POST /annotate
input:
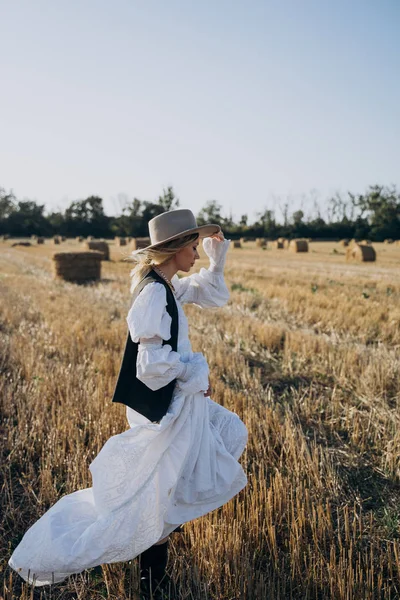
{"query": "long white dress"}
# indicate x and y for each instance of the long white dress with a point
(154, 476)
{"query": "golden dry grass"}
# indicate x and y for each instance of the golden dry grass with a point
(307, 352)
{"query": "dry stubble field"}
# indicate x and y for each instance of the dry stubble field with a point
(307, 352)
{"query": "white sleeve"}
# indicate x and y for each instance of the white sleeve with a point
(157, 364)
(149, 324)
(207, 288)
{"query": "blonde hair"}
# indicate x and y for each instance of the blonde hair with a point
(146, 258)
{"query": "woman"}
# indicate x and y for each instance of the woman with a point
(179, 458)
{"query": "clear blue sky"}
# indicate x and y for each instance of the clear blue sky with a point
(237, 101)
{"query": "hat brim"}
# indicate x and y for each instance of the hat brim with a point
(203, 231)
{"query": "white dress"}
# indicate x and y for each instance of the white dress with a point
(154, 476)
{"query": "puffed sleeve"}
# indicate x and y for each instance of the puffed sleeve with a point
(207, 288)
(149, 324)
(157, 364)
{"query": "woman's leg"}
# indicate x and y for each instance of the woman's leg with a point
(153, 563)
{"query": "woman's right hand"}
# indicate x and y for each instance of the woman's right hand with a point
(196, 374)
(218, 236)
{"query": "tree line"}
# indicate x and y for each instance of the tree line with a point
(374, 215)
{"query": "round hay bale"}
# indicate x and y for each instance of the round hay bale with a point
(40, 240)
(298, 246)
(121, 241)
(33, 237)
(236, 244)
(261, 242)
(63, 238)
(90, 238)
(344, 243)
(56, 239)
(5, 237)
(102, 247)
(79, 238)
(389, 241)
(77, 267)
(361, 253)
(278, 244)
(365, 242)
(140, 243)
(243, 240)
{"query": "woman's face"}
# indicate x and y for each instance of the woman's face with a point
(186, 257)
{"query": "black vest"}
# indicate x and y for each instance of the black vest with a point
(129, 389)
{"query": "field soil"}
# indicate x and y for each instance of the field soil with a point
(306, 352)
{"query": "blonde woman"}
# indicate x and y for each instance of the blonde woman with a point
(179, 458)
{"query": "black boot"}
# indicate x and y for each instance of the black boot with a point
(153, 562)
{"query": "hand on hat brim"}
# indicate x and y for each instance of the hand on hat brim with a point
(217, 236)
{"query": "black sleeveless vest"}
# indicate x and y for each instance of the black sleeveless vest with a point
(129, 390)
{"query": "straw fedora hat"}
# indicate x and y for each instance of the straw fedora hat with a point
(174, 224)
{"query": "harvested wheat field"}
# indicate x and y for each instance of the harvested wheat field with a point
(307, 352)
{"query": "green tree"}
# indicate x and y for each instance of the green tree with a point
(380, 206)
(151, 210)
(28, 219)
(168, 200)
(131, 221)
(298, 217)
(8, 204)
(267, 225)
(86, 217)
(210, 213)
(87, 211)
(56, 221)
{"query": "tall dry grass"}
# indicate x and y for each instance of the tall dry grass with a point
(307, 352)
